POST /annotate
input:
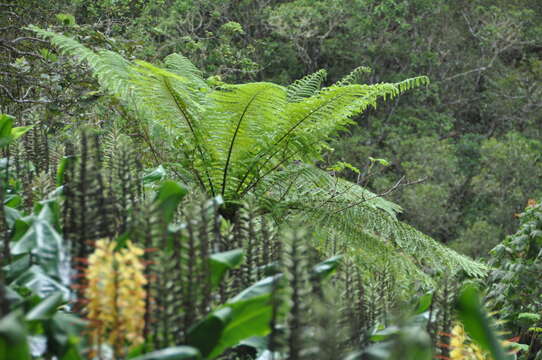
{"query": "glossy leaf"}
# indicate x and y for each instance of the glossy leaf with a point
(46, 308)
(44, 243)
(168, 197)
(6, 124)
(7, 132)
(326, 267)
(246, 315)
(174, 353)
(206, 334)
(40, 283)
(221, 262)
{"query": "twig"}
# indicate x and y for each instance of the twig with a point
(23, 101)
(393, 188)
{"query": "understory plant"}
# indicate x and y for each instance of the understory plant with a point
(161, 273)
(516, 282)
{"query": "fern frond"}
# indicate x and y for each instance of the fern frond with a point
(305, 125)
(112, 70)
(364, 221)
(239, 125)
(412, 83)
(306, 87)
(180, 65)
(355, 76)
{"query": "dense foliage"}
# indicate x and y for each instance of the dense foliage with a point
(220, 179)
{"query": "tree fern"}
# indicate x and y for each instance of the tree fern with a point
(246, 140)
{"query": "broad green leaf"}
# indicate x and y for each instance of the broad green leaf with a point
(173, 353)
(477, 324)
(262, 287)
(246, 315)
(168, 197)
(326, 267)
(7, 132)
(6, 124)
(13, 344)
(36, 280)
(19, 131)
(154, 176)
(248, 318)
(424, 303)
(46, 308)
(44, 243)
(221, 262)
(206, 334)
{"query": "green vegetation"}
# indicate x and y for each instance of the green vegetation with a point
(340, 179)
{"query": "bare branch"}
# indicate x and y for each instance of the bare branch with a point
(22, 101)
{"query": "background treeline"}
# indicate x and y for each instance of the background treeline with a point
(474, 136)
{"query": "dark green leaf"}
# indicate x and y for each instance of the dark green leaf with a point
(168, 197)
(206, 334)
(13, 344)
(221, 262)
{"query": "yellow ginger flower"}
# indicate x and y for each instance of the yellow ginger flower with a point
(461, 348)
(116, 295)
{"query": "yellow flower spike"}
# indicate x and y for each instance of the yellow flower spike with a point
(462, 348)
(116, 295)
